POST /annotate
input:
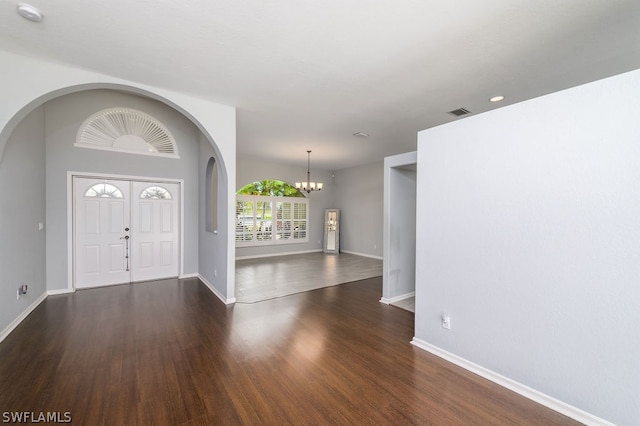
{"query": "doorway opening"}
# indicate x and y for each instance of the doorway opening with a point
(125, 230)
(399, 279)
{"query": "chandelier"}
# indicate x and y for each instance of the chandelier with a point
(309, 186)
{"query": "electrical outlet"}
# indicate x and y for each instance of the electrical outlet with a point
(21, 290)
(446, 321)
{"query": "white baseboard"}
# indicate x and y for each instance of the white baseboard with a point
(397, 298)
(362, 254)
(215, 291)
(258, 256)
(16, 322)
(60, 291)
(194, 275)
(532, 394)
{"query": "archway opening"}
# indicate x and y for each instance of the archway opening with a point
(224, 269)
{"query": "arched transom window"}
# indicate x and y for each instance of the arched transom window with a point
(103, 190)
(155, 193)
(126, 130)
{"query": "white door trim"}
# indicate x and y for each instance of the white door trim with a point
(71, 206)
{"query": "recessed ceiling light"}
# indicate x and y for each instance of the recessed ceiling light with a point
(496, 99)
(361, 134)
(29, 12)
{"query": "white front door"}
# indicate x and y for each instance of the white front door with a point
(154, 224)
(125, 231)
(101, 216)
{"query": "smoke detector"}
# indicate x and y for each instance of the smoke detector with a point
(29, 12)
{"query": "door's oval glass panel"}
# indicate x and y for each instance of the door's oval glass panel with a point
(155, 193)
(103, 190)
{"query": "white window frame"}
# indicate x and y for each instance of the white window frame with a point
(296, 227)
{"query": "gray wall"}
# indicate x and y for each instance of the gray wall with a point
(22, 207)
(528, 237)
(250, 169)
(63, 117)
(359, 195)
(212, 251)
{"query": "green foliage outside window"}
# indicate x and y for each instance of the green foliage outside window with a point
(270, 188)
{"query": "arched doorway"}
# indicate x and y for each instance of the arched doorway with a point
(58, 278)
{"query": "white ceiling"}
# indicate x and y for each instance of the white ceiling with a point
(308, 74)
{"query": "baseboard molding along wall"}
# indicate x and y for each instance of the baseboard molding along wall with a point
(215, 291)
(194, 275)
(60, 291)
(16, 322)
(361, 254)
(532, 394)
(397, 298)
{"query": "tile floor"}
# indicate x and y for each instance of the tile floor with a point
(406, 304)
(270, 277)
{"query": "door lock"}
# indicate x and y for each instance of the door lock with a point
(126, 248)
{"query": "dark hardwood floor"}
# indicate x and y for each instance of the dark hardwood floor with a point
(168, 352)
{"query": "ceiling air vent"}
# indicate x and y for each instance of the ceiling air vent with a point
(459, 112)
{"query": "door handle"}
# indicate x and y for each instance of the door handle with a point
(126, 248)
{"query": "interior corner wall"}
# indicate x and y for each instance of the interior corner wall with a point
(250, 169)
(63, 117)
(400, 279)
(22, 208)
(212, 247)
(359, 196)
(528, 238)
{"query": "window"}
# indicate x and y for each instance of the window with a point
(271, 188)
(300, 217)
(155, 193)
(211, 196)
(245, 221)
(284, 225)
(126, 130)
(264, 220)
(271, 212)
(103, 190)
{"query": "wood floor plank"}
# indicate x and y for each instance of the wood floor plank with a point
(169, 352)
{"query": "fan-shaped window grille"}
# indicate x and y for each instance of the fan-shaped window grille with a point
(155, 193)
(126, 130)
(103, 190)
